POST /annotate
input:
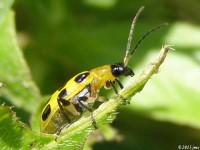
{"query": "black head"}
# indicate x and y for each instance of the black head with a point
(118, 69)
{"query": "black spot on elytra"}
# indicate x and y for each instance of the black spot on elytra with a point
(63, 93)
(81, 77)
(64, 101)
(46, 112)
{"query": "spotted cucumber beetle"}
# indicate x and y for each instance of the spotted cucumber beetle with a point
(69, 102)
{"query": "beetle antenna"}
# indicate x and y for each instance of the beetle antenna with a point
(131, 35)
(146, 34)
(127, 57)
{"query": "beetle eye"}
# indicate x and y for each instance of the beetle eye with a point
(117, 69)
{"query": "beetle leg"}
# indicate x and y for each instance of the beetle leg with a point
(63, 102)
(60, 130)
(119, 83)
(80, 101)
(116, 92)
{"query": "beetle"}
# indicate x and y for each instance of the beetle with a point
(78, 95)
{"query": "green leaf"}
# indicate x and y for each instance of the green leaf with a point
(178, 103)
(15, 134)
(19, 88)
(4, 8)
(174, 95)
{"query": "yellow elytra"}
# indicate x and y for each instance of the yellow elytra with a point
(69, 102)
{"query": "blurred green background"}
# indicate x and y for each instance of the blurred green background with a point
(64, 37)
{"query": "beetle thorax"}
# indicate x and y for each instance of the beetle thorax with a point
(102, 75)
